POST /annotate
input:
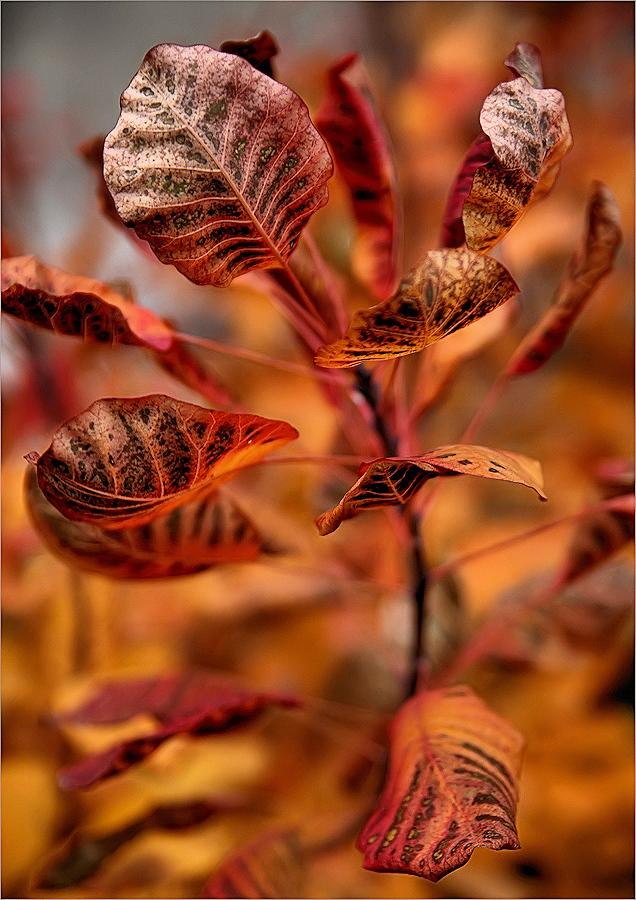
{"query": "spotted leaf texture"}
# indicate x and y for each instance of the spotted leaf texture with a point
(183, 703)
(208, 532)
(350, 122)
(391, 481)
(124, 462)
(213, 163)
(271, 865)
(446, 291)
(452, 786)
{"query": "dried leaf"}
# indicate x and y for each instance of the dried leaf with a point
(258, 51)
(213, 163)
(269, 866)
(191, 538)
(452, 786)
(125, 461)
(391, 481)
(191, 703)
(350, 122)
(525, 60)
(588, 265)
(478, 154)
(446, 291)
(600, 536)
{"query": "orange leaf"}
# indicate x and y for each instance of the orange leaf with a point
(446, 291)
(391, 481)
(452, 786)
(126, 461)
(271, 865)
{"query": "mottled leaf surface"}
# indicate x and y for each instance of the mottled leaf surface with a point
(183, 703)
(589, 264)
(478, 154)
(350, 122)
(446, 291)
(258, 51)
(126, 461)
(271, 865)
(213, 163)
(208, 532)
(452, 786)
(392, 481)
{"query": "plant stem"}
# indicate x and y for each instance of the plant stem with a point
(419, 583)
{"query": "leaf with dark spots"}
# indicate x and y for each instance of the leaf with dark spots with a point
(124, 462)
(350, 122)
(271, 865)
(195, 703)
(452, 785)
(446, 291)
(208, 532)
(258, 51)
(525, 60)
(479, 153)
(393, 481)
(591, 262)
(213, 163)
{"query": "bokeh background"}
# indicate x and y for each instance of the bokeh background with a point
(432, 64)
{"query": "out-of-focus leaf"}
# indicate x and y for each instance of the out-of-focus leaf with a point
(391, 481)
(350, 122)
(600, 536)
(208, 532)
(446, 291)
(182, 363)
(588, 265)
(213, 163)
(258, 51)
(478, 154)
(525, 60)
(184, 703)
(125, 461)
(452, 786)
(269, 866)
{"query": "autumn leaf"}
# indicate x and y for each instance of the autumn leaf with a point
(392, 481)
(452, 786)
(270, 865)
(258, 51)
(213, 163)
(525, 60)
(350, 122)
(598, 537)
(478, 154)
(446, 291)
(589, 264)
(194, 703)
(125, 461)
(208, 532)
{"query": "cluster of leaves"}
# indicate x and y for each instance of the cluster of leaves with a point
(218, 167)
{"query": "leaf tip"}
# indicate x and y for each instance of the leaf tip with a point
(32, 458)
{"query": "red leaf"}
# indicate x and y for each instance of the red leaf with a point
(258, 51)
(191, 703)
(598, 537)
(126, 461)
(269, 866)
(479, 153)
(452, 786)
(350, 122)
(391, 481)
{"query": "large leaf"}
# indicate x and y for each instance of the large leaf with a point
(271, 865)
(213, 163)
(446, 291)
(391, 481)
(349, 121)
(126, 461)
(191, 538)
(184, 703)
(452, 786)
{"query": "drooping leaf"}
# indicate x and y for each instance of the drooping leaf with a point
(269, 866)
(125, 461)
(213, 163)
(589, 264)
(452, 786)
(258, 51)
(184, 703)
(478, 154)
(600, 536)
(207, 532)
(447, 290)
(525, 60)
(391, 481)
(350, 122)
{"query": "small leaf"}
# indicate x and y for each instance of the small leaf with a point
(186, 703)
(350, 122)
(478, 154)
(589, 264)
(271, 865)
(452, 786)
(258, 51)
(600, 536)
(213, 163)
(191, 538)
(125, 461)
(525, 60)
(391, 481)
(446, 291)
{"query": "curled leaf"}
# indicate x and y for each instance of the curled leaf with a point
(525, 60)
(350, 122)
(271, 865)
(258, 51)
(446, 291)
(391, 481)
(452, 786)
(213, 163)
(478, 154)
(125, 461)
